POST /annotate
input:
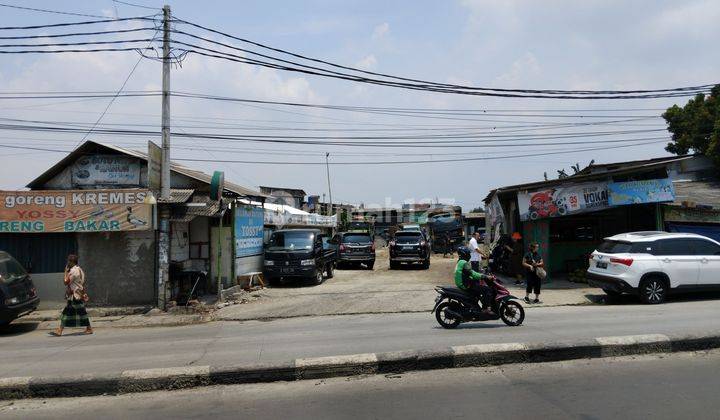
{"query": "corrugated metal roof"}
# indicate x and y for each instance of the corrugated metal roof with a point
(92, 146)
(700, 192)
(177, 196)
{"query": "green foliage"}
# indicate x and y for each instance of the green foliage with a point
(695, 127)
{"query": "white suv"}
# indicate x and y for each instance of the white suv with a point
(652, 264)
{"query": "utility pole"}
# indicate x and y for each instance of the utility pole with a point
(164, 228)
(327, 166)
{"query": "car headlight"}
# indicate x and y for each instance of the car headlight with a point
(269, 262)
(12, 301)
(307, 262)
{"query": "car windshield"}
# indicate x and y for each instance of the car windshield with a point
(407, 238)
(291, 241)
(614, 247)
(359, 239)
(10, 269)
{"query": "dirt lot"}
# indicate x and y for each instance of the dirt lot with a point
(361, 291)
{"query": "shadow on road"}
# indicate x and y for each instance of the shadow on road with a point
(604, 299)
(18, 328)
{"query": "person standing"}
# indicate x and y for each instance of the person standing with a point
(447, 245)
(532, 261)
(74, 315)
(476, 254)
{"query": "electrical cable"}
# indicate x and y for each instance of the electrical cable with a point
(87, 22)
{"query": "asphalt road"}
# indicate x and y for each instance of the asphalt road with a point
(682, 385)
(33, 353)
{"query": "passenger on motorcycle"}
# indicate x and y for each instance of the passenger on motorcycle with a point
(471, 281)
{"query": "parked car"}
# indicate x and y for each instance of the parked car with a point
(18, 295)
(294, 254)
(654, 264)
(355, 248)
(409, 247)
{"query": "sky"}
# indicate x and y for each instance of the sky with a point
(593, 45)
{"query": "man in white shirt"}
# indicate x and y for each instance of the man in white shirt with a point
(475, 253)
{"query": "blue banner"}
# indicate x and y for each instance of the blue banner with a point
(249, 223)
(640, 192)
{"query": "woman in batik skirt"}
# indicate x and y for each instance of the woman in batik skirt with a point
(74, 315)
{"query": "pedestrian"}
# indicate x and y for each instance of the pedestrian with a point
(447, 245)
(533, 262)
(515, 257)
(74, 315)
(476, 254)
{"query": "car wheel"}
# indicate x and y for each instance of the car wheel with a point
(394, 265)
(319, 277)
(330, 270)
(653, 290)
(370, 265)
(612, 293)
(426, 264)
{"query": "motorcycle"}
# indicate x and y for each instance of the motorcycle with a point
(454, 306)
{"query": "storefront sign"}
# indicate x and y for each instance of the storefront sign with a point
(287, 219)
(249, 222)
(639, 192)
(106, 170)
(74, 211)
(562, 200)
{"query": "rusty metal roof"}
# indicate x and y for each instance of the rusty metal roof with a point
(177, 196)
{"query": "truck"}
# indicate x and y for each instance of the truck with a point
(299, 254)
(444, 222)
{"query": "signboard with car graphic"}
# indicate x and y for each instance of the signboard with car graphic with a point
(562, 200)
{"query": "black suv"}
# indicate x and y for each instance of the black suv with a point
(18, 296)
(355, 248)
(409, 247)
(299, 254)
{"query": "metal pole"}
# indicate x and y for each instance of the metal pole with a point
(327, 166)
(165, 175)
(164, 234)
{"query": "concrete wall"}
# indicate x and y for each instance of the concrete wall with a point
(51, 289)
(120, 267)
(179, 242)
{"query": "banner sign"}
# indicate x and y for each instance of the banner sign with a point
(106, 170)
(154, 168)
(287, 219)
(249, 222)
(562, 200)
(74, 211)
(639, 192)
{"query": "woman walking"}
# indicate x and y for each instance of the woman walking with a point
(532, 263)
(74, 315)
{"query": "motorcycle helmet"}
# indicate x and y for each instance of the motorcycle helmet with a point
(464, 253)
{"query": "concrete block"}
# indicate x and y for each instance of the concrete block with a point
(563, 350)
(15, 388)
(263, 372)
(442, 358)
(397, 361)
(326, 367)
(634, 344)
(74, 386)
(164, 378)
(488, 354)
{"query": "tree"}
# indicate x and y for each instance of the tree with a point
(696, 126)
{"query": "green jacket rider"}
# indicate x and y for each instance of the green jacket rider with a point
(465, 276)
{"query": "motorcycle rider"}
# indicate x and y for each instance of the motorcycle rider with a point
(471, 281)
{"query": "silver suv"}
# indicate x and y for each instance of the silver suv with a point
(652, 264)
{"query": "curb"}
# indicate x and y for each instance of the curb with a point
(145, 380)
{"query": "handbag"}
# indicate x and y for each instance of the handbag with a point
(541, 273)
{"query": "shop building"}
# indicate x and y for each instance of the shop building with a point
(569, 217)
(108, 217)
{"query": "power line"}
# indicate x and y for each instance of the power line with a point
(116, 93)
(136, 5)
(57, 12)
(117, 31)
(88, 22)
(424, 82)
